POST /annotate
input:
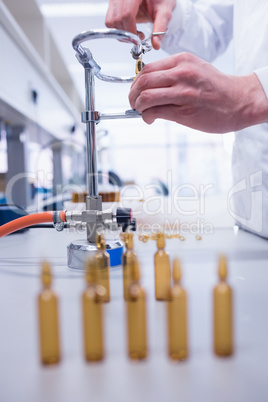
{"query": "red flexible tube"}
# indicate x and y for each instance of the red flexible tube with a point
(25, 221)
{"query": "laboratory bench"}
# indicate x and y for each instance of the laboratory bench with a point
(202, 377)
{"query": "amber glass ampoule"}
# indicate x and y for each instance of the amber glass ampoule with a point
(136, 317)
(139, 65)
(161, 270)
(128, 259)
(92, 299)
(223, 328)
(48, 319)
(103, 265)
(177, 317)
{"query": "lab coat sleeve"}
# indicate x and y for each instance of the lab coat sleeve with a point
(262, 74)
(204, 28)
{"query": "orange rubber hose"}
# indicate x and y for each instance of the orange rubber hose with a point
(25, 221)
(62, 216)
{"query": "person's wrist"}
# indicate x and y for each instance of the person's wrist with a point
(252, 102)
(259, 100)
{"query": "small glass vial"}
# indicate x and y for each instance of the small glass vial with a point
(139, 65)
(103, 265)
(48, 319)
(177, 318)
(161, 270)
(223, 326)
(129, 258)
(92, 299)
(136, 317)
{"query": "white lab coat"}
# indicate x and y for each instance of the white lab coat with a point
(205, 28)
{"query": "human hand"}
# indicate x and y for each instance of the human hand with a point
(188, 90)
(125, 14)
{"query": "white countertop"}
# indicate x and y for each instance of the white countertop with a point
(203, 377)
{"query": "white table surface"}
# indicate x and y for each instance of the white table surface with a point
(203, 377)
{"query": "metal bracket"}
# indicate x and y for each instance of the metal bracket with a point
(94, 116)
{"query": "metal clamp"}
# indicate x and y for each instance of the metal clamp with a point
(89, 116)
(147, 44)
(85, 57)
(57, 222)
(93, 116)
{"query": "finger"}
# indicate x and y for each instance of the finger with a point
(166, 112)
(157, 97)
(129, 12)
(143, 16)
(121, 14)
(110, 18)
(160, 65)
(158, 79)
(161, 21)
(185, 115)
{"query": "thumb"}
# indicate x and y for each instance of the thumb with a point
(162, 18)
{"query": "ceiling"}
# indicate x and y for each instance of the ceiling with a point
(67, 18)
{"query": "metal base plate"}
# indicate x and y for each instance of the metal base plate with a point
(80, 250)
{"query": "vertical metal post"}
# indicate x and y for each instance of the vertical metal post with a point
(93, 201)
(92, 172)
